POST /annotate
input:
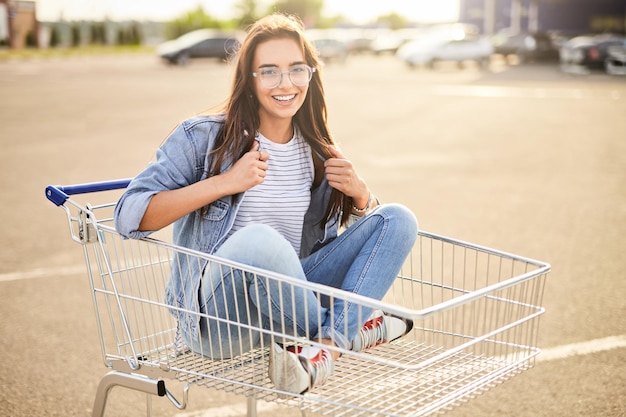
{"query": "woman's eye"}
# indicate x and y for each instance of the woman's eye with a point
(269, 72)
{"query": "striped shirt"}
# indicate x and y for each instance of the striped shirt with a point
(283, 198)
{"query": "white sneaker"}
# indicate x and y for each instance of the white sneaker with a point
(380, 328)
(298, 369)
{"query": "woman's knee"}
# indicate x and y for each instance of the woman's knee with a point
(255, 238)
(400, 219)
(261, 246)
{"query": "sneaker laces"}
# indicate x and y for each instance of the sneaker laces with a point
(317, 361)
(380, 328)
(372, 333)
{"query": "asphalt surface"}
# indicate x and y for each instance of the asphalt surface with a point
(524, 159)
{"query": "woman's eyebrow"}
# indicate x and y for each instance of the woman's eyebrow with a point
(291, 64)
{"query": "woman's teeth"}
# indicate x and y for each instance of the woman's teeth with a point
(284, 98)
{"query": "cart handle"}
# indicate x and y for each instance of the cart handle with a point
(58, 194)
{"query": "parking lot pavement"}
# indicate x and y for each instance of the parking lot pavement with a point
(528, 160)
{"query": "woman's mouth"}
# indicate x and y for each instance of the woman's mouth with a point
(284, 98)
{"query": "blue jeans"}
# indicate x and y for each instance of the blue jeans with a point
(365, 259)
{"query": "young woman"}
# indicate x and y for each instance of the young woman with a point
(262, 183)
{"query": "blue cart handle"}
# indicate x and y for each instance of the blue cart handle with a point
(58, 194)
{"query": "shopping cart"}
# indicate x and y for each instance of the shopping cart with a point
(475, 311)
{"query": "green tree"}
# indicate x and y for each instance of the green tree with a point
(55, 36)
(98, 33)
(134, 34)
(247, 13)
(121, 36)
(196, 19)
(310, 11)
(393, 21)
(332, 22)
(31, 40)
(129, 35)
(75, 34)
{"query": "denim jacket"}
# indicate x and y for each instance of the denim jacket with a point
(184, 159)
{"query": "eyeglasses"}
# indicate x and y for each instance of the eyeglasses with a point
(299, 75)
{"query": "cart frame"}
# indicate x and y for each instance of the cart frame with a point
(476, 312)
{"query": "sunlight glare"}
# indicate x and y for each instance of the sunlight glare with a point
(423, 11)
(357, 11)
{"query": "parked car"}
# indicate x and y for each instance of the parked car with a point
(330, 50)
(615, 63)
(528, 47)
(428, 50)
(587, 52)
(359, 45)
(389, 41)
(559, 37)
(202, 43)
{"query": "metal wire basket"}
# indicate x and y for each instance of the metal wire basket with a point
(475, 312)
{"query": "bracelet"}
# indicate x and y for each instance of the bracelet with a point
(367, 206)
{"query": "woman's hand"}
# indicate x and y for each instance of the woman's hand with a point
(248, 171)
(168, 206)
(342, 175)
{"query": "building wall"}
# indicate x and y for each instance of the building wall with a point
(588, 15)
(19, 23)
(576, 16)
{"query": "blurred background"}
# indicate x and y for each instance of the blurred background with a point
(581, 35)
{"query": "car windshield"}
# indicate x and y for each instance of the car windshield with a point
(194, 37)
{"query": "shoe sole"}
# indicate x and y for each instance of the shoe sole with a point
(288, 370)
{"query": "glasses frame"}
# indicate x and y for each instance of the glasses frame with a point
(289, 72)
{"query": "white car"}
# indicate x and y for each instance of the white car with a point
(429, 50)
(615, 63)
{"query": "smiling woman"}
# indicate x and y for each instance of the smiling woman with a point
(262, 183)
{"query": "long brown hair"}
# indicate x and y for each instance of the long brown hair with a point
(242, 108)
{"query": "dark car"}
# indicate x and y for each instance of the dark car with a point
(203, 43)
(527, 46)
(588, 52)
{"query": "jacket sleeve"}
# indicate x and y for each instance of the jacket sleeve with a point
(177, 165)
